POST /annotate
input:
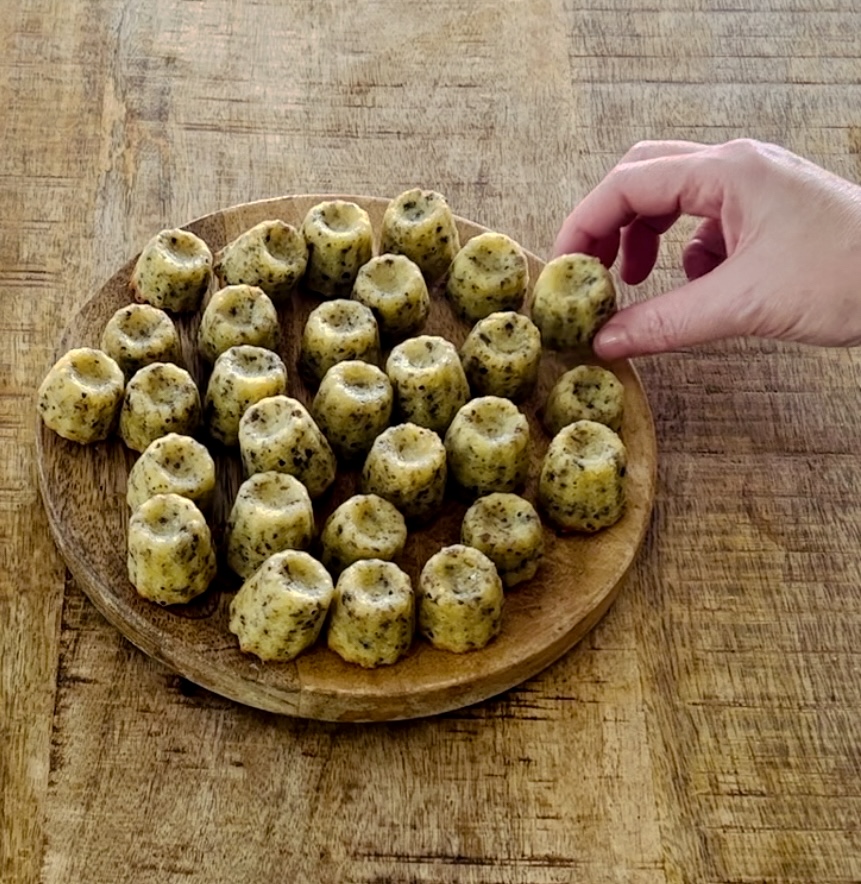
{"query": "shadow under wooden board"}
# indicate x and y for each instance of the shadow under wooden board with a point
(83, 488)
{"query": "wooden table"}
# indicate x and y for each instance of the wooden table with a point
(709, 728)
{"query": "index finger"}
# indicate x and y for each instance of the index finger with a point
(660, 186)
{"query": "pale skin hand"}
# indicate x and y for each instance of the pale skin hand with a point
(777, 254)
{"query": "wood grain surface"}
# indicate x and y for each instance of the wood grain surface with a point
(83, 489)
(708, 729)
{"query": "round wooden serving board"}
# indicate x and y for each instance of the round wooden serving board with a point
(84, 487)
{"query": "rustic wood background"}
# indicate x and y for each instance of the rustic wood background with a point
(709, 730)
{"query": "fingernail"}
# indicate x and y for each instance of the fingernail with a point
(612, 343)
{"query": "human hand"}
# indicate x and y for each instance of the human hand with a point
(777, 255)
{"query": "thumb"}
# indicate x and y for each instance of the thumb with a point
(715, 306)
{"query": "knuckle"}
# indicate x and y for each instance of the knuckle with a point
(744, 146)
(638, 151)
(741, 159)
(747, 152)
(750, 316)
(659, 328)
